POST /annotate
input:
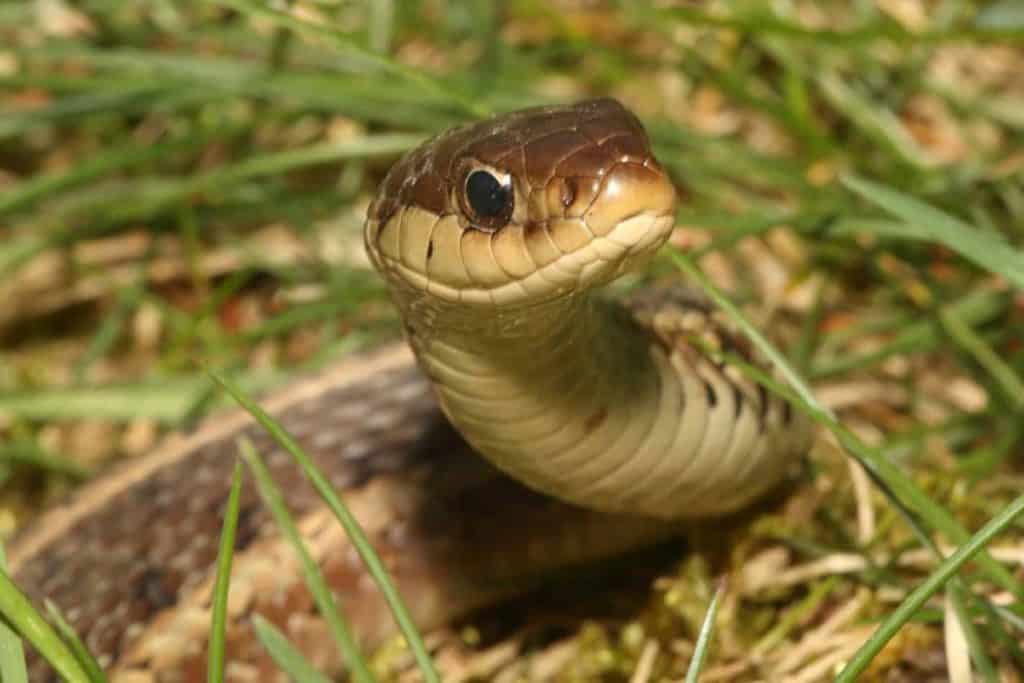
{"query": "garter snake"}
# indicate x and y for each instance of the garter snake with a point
(492, 238)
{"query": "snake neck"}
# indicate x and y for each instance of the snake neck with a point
(579, 400)
(576, 340)
(541, 390)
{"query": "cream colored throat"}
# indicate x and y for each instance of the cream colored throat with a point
(578, 400)
(563, 398)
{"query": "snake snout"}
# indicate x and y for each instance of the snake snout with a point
(630, 218)
(628, 190)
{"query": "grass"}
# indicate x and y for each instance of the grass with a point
(182, 185)
(326, 602)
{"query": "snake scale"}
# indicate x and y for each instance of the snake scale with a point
(491, 237)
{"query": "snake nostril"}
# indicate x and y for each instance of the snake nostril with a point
(630, 189)
(568, 192)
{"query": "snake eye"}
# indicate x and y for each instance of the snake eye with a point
(488, 200)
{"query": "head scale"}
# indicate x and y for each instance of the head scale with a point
(522, 208)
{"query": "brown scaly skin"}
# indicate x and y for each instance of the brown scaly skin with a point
(130, 558)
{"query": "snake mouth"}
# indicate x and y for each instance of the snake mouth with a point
(628, 245)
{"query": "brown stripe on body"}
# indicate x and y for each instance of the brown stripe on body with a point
(127, 546)
(129, 560)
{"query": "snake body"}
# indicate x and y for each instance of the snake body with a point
(610, 407)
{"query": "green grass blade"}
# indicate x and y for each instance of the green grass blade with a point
(984, 249)
(30, 625)
(166, 400)
(12, 657)
(31, 453)
(355, 533)
(935, 581)
(225, 555)
(12, 652)
(707, 628)
(314, 578)
(284, 655)
(82, 654)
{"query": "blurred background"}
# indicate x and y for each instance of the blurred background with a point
(183, 184)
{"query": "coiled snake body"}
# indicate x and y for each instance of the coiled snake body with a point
(491, 237)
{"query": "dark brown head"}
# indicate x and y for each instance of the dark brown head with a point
(524, 207)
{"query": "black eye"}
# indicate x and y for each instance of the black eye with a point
(489, 200)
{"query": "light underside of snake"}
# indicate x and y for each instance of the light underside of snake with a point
(491, 237)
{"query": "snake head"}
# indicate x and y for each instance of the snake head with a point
(523, 208)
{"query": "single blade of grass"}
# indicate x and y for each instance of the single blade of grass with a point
(707, 628)
(284, 655)
(30, 453)
(985, 249)
(935, 581)
(355, 533)
(165, 400)
(225, 555)
(82, 654)
(30, 625)
(902, 491)
(12, 652)
(314, 578)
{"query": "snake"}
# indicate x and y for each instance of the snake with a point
(529, 424)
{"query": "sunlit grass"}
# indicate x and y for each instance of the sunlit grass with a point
(183, 184)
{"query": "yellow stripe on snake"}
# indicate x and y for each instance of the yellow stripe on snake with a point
(492, 238)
